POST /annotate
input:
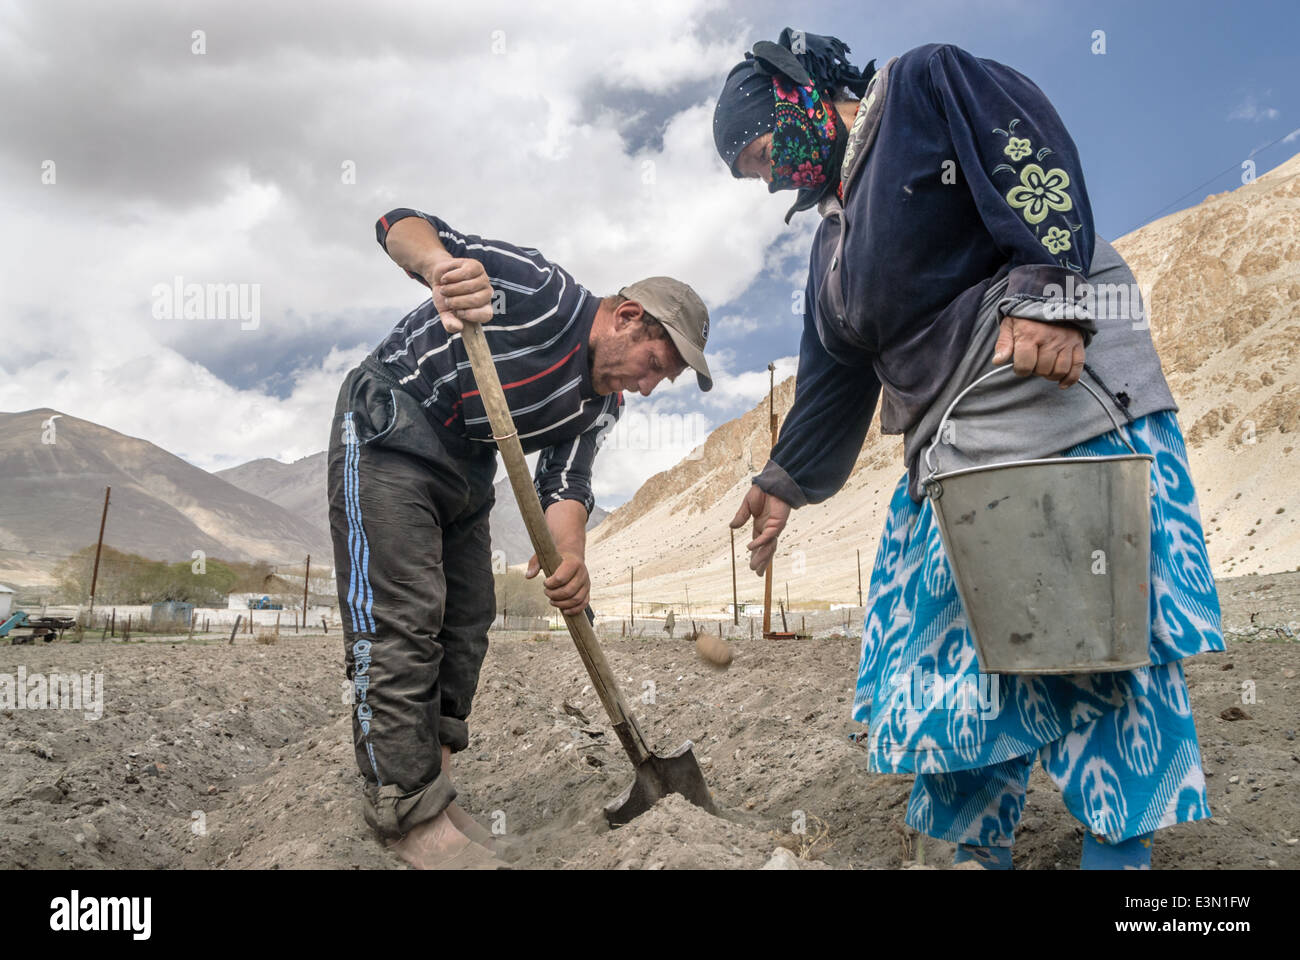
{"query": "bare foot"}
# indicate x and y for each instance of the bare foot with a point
(467, 825)
(437, 845)
(476, 832)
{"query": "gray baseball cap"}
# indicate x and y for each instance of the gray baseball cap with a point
(683, 315)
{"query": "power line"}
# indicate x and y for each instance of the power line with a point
(1202, 186)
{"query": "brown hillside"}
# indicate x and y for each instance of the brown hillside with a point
(1223, 286)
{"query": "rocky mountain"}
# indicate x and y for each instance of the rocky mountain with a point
(299, 487)
(52, 496)
(1222, 284)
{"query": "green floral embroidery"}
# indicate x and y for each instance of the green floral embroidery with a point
(1039, 192)
(1018, 148)
(1057, 240)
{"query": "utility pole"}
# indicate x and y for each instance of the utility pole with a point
(735, 602)
(94, 577)
(767, 577)
(859, 577)
(631, 598)
(306, 577)
(688, 602)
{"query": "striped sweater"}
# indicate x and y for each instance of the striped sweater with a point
(539, 340)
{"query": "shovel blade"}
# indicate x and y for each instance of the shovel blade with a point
(678, 772)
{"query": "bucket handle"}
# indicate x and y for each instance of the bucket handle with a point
(938, 434)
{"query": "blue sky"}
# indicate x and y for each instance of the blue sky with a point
(580, 128)
(1184, 93)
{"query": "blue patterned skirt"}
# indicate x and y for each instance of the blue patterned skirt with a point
(1119, 738)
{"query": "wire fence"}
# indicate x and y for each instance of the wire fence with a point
(140, 620)
(814, 623)
(1267, 603)
(521, 624)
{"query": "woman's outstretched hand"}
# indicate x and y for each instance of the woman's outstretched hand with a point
(769, 514)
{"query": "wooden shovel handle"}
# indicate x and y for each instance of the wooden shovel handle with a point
(584, 637)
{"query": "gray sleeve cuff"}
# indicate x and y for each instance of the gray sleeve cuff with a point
(777, 482)
(1050, 295)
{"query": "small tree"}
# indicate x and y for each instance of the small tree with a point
(519, 597)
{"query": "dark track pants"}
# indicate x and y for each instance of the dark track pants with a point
(413, 557)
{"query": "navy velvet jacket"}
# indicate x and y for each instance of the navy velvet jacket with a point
(971, 177)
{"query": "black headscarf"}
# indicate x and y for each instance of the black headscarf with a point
(746, 106)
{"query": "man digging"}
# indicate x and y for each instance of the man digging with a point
(411, 466)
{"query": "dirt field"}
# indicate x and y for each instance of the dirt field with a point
(209, 755)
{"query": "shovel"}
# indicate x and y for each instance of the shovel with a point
(656, 775)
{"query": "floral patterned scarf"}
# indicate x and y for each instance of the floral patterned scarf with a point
(807, 143)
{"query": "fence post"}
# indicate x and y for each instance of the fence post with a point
(235, 629)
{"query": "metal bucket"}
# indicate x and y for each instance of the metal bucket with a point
(1052, 557)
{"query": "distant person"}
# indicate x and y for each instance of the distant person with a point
(411, 468)
(956, 235)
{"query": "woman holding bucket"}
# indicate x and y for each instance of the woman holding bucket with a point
(956, 236)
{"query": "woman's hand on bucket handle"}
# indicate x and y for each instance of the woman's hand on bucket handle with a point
(769, 514)
(1050, 350)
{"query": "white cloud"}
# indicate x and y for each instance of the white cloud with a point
(225, 168)
(790, 252)
(742, 390)
(733, 324)
(1250, 109)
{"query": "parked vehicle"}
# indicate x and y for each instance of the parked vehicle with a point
(22, 628)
